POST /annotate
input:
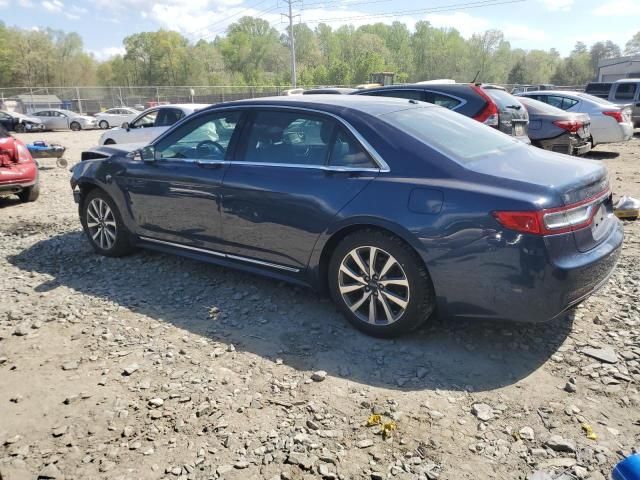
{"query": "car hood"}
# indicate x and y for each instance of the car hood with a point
(572, 178)
(105, 151)
(26, 118)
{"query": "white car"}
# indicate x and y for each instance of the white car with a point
(115, 117)
(610, 123)
(149, 124)
(60, 119)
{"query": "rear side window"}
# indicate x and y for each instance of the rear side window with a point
(450, 132)
(626, 91)
(562, 103)
(442, 100)
(289, 138)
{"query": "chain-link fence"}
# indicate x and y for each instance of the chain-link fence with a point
(91, 100)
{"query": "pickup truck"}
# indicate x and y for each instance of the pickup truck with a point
(627, 92)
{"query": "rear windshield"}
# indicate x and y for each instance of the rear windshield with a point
(449, 133)
(534, 106)
(593, 98)
(598, 88)
(502, 98)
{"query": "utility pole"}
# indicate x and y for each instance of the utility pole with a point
(292, 43)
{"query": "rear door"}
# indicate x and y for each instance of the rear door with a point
(298, 169)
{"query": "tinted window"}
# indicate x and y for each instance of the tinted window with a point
(450, 133)
(41, 114)
(168, 116)
(408, 94)
(206, 137)
(347, 152)
(502, 98)
(145, 121)
(442, 100)
(289, 138)
(593, 98)
(626, 91)
(5, 116)
(598, 88)
(562, 103)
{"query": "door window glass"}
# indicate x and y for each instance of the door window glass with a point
(41, 114)
(205, 138)
(168, 116)
(626, 91)
(146, 121)
(4, 116)
(289, 138)
(408, 94)
(442, 100)
(347, 152)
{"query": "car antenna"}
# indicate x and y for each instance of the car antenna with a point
(476, 77)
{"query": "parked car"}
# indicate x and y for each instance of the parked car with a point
(492, 107)
(329, 91)
(395, 206)
(19, 123)
(598, 89)
(115, 117)
(149, 124)
(59, 119)
(556, 130)
(609, 123)
(627, 92)
(18, 171)
(531, 88)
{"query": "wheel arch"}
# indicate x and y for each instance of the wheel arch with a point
(322, 254)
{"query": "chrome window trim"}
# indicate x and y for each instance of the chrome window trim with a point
(382, 165)
(220, 254)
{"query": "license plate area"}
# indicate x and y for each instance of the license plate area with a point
(518, 129)
(598, 226)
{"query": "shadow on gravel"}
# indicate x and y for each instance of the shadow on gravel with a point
(272, 319)
(601, 155)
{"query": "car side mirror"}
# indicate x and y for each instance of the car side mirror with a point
(126, 126)
(148, 153)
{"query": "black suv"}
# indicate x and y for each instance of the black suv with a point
(486, 104)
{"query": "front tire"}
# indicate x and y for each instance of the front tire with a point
(30, 194)
(103, 124)
(380, 284)
(109, 141)
(102, 223)
(19, 128)
(75, 126)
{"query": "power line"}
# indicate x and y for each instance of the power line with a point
(229, 17)
(444, 8)
(342, 3)
(223, 29)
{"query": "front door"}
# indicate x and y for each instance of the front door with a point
(176, 197)
(298, 169)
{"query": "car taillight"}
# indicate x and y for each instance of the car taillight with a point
(571, 126)
(616, 114)
(489, 114)
(552, 221)
(23, 153)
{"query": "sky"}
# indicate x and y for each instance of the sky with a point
(528, 24)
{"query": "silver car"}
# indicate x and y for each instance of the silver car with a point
(59, 119)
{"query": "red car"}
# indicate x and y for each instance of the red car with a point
(18, 171)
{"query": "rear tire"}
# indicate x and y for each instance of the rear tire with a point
(30, 194)
(75, 126)
(103, 225)
(398, 285)
(103, 124)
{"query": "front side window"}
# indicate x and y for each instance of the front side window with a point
(205, 138)
(41, 114)
(626, 91)
(5, 116)
(147, 120)
(289, 138)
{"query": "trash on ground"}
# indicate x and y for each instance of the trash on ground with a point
(627, 208)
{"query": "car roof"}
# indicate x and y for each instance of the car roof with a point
(334, 103)
(628, 80)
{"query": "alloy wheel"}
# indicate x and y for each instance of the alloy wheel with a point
(373, 285)
(101, 223)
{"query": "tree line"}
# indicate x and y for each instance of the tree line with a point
(254, 53)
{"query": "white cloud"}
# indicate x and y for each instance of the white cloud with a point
(4, 3)
(618, 8)
(53, 5)
(464, 22)
(25, 3)
(523, 33)
(558, 5)
(107, 52)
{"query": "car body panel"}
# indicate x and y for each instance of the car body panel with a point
(283, 221)
(14, 175)
(9, 120)
(59, 119)
(115, 117)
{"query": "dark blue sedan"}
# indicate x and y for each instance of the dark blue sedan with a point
(397, 207)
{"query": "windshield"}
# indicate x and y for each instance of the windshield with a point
(450, 133)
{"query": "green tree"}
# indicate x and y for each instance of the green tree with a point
(633, 45)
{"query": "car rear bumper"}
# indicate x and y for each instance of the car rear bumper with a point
(565, 143)
(523, 278)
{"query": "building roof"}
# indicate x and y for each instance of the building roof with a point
(28, 98)
(605, 62)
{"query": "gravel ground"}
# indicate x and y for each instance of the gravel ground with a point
(153, 366)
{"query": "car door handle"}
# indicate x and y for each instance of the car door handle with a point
(210, 163)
